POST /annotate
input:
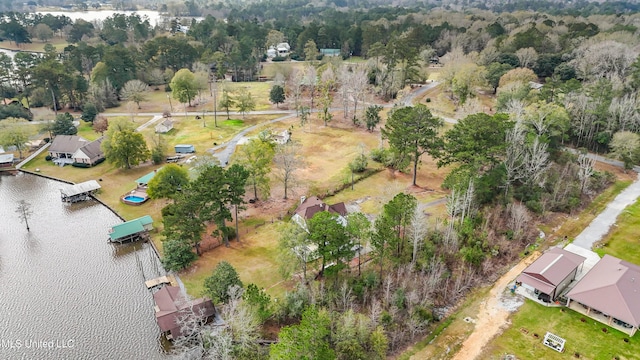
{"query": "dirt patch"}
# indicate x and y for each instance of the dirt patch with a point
(492, 315)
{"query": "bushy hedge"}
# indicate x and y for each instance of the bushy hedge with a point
(81, 165)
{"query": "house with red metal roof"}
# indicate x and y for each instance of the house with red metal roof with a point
(609, 293)
(550, 274)
(172, 307)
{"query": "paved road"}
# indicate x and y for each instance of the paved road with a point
(600, 226)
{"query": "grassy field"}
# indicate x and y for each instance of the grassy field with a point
(36, 45)
(585, 338)
(624, 240)
(203, 133)
(254, 257)
(159, 101)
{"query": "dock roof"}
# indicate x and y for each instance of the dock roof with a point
(83, 187)
(130, 227)
(6, 158)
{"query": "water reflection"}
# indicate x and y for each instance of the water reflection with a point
(63, 281)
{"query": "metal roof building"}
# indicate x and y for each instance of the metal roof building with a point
(131, 230)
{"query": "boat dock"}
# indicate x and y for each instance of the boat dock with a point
(132, 230)
(162, 280)
(79, 192)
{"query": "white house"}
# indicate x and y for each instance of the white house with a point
(164, 127)
(90, 153)
(283, 49)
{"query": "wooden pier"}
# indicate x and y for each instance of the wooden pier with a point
(162, 280)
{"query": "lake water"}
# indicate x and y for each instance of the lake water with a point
(90, 16)
(65, 292)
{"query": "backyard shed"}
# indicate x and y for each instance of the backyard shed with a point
(185, 149)
(131, 230)
(143, 181)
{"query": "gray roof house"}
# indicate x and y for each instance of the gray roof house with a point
(90, 153)
(610, 293)
(550, 274)
(64, 146)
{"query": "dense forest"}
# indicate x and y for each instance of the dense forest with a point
(568, 76)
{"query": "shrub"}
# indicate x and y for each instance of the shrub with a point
(81, 165)
(177, 255)
(279, 59)
(380, 155)
(48, 158)
(223, 277)
(428, 100)
(359, 164)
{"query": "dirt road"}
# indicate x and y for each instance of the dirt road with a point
(494, 313)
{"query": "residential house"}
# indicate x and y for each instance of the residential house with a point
(171, 307)
(312, 205)
(610, 294)
(64, 146)
(164, 127)
(550, 274)
(283, 49)
(90, 153)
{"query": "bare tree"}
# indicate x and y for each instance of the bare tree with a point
(418, 230)
(585, 170)
(624, 113)
(296, 79)
(287, 161)
(135, 91)
(527, 57)
(24, 211)
(536, 161)
(311, 82)
(514, 156)
(518, 218)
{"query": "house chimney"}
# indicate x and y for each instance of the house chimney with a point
(302, 199)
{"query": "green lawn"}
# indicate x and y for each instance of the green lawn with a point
(203, 133)
(624, 240)
(585, 338)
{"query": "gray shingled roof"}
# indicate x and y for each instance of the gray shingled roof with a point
(93, 149)
(612, 286)
(312, 205)
(67, 144)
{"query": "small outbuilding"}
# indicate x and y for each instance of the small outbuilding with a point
(185, 149)
(330, 52)
(171, 307)
(131, 230)
(143, 181)
(164, 127)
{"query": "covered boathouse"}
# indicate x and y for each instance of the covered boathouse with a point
(79, 192)
(131, 230)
